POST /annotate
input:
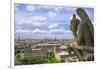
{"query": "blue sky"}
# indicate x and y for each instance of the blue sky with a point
(40, 21)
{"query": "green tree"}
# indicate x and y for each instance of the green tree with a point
(51, 58)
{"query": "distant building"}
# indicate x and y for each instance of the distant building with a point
(40, 51)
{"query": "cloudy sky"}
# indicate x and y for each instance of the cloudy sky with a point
(39, 21)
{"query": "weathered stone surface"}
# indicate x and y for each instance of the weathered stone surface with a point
(83, 46)
(74, 25)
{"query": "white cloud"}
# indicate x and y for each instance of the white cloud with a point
(71, 9)
(30, 8)
(38, 34)
(60, 34)
(68, 32)
(23, 20)
(39, 19)
(35, 20)
(47, 7)
(38, 31)
(57, 31)
(53, 26)
(57, 9)
(52, 14)
(35, 31)
(22, 31)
